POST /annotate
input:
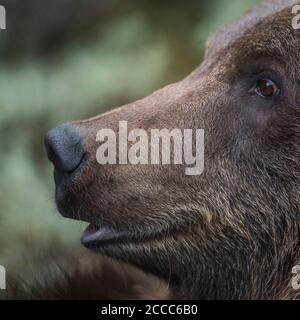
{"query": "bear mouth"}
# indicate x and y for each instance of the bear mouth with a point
(95, 236)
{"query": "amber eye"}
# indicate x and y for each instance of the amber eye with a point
(266, 88)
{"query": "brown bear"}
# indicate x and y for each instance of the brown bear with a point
(232, 232)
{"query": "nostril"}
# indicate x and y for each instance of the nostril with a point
(50, 151)
(64, 148)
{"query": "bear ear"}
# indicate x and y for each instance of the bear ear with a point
(228, 34)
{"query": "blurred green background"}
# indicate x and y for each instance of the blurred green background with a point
(62, 60)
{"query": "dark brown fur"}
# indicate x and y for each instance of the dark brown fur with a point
(85, 276)
(234, 231)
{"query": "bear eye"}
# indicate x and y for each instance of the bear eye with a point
(266, 88)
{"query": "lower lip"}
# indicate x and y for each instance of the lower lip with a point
(94, 235)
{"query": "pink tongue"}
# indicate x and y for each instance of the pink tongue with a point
(92, 234)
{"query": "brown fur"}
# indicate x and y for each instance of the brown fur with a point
(232, 232)
(85, 277)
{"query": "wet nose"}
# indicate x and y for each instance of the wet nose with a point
(64, 148)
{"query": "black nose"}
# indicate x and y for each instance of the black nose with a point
(64, 148)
